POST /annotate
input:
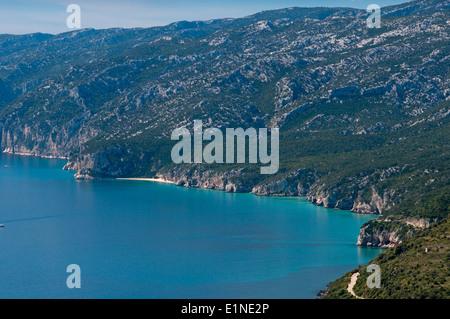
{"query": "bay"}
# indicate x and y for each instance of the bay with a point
(138, 239)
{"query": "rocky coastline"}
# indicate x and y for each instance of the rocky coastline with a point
(302, 182)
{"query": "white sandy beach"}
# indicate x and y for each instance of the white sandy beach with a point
(156, 180)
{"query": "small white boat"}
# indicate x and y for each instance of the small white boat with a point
(1, 225)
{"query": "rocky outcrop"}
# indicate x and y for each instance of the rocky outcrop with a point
(353, 197)
(418, 222)
(330, 197)
(287, 92)
(109, 163)
(21, 143)
(384, 233)
(81, 166)
(194, 177)
(38, 139)
(377, 204)
(382, 239)
(296, 183)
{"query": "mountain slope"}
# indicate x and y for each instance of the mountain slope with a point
(416, 269)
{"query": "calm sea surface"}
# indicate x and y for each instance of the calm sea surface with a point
(135, 239)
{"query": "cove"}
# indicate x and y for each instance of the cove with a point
(137, 239)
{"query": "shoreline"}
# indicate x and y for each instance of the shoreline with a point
(154, 180)
(163, 181)
(35, 155)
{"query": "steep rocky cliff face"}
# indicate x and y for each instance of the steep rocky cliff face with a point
(354, 201)
(297, 183)
(110, 163)
(378, 238)
(387, 233)
(198, 178)
(37, 141)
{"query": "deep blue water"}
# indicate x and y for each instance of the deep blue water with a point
(135, 239)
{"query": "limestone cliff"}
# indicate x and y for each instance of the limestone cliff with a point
(384, 233)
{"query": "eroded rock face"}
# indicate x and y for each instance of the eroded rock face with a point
(382, 239)
(377, 204)
(196, 178)
(296, 183)
(36, 140)
(353, 197)
(388, 233)
(100, 164)
(418, 223)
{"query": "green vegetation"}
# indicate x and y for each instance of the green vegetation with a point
(419, 268)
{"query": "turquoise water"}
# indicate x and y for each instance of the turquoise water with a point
(135, 239)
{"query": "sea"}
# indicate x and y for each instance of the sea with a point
(140, 239)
